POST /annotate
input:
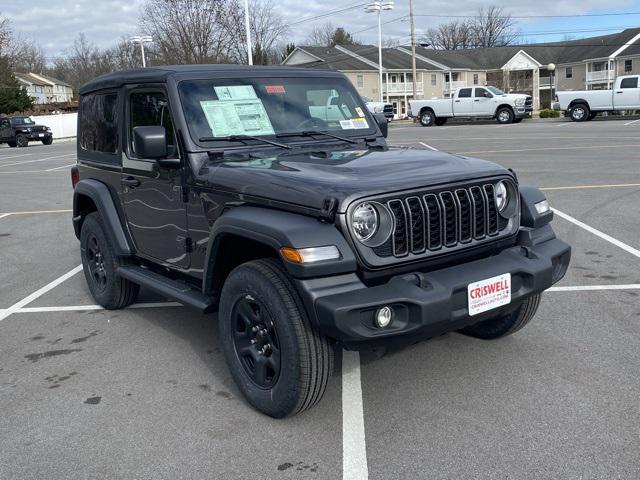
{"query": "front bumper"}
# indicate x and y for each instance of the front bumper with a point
(430, 304)
(556, 106)
(522, 112)
(37, 136)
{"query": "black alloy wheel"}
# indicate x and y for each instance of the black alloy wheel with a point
(256, 341)
(95, 260)
(21, 140)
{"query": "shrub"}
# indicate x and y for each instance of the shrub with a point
(548, 113)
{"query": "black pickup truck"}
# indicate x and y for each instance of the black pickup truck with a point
(19, 131)
(228, 188)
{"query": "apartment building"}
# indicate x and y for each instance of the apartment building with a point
(590, 63)
(44, 89)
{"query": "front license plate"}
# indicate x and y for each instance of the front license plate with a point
(41, 134)
(489, 294)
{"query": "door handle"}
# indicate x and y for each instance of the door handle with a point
(476, 100)
(130, 182)
(620, 92)
(457, 101)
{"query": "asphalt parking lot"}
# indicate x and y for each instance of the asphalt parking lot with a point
(144, 392)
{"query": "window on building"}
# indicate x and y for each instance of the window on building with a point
(434, 79)
(360, 81)
(628, 66)
(568, 73)
(475, 79)
(629, 83)
(465, 93)
(99, 123)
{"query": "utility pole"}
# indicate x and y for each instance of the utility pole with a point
(377, 7)
(413, 51)
(142, 39)
(248, 29)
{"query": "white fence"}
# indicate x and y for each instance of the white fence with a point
(62, 126)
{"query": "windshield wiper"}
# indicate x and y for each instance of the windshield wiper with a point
(234, 138)
(311, 133)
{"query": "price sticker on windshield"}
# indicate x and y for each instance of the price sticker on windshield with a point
(275, 89)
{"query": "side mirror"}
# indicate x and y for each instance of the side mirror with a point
(383, 125)
(488, 94)
(150, 142)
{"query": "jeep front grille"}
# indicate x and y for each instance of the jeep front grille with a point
(442, 220)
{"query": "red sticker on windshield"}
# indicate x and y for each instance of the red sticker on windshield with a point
(275, 89)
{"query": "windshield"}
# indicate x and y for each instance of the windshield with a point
(21, 121)
(224, 108)
(496, 91)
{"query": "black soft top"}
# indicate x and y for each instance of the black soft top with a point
(161, 73)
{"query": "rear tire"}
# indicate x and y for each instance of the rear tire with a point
(505, 325)
(504, 116)
(261, 315)
(441, 121)
(427, 118)
(580, 112)
(22, 140)
(100, 265)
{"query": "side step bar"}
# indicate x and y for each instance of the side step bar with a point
(175, 289)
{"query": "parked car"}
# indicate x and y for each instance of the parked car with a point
(379, 107)
(19, 131)
(473, 102)
(217, 186)
(582, 105)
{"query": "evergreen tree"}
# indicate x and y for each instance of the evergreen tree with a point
(288, 48)
(13, 97)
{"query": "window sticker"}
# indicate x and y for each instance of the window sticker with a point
(359, 111)
(238, 111)
(354, 123)
(236, 92)
(275, 89)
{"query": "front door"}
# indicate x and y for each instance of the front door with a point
(483, 103)
(628, 95)
(153, 200)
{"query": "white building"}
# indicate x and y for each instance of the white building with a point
(43, 89)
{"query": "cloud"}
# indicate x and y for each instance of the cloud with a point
(56, 25)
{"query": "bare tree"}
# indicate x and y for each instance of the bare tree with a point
(490, 27)
(453, 35)
(321, 35)
(189, 31)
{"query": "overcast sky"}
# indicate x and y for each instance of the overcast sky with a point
(54, 24)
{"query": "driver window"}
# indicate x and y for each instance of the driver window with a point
(481, 93)
(151, 109)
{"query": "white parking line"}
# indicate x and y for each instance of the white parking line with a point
(566, 124)
(428, 146)
(632, 122)
(86, 308)
(354, 449)
(544, 149)
(60, 168)
(37, 160)
(15, 156)
(6, 214)
(582, 187)
(26, 300)
(604, 236)
(585, 288)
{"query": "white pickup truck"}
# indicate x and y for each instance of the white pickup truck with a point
(473, 102)
(379, 107)
(583, 105)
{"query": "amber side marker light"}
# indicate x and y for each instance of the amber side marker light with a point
(310, 255)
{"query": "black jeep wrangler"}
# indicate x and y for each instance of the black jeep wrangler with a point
(19, 131)
(238, 190)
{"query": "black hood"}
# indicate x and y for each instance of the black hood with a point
(307, 178)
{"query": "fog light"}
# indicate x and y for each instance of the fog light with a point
(383, 317)
(542, 207)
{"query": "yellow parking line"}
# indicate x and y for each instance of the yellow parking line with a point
(578, 187)
(6, 214)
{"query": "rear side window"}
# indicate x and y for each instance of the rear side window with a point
(629, 83)
(465, 93)
(99, 123)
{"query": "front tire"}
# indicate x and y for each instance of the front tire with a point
(22, 140)
(47, 141)
(504, 116)
(580, 112)
(507, 324)
(279, 362)
(427, 118)
(100, 264)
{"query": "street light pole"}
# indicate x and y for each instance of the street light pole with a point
(247, 27)
(377, 7)
(413, 51)
(142, 39)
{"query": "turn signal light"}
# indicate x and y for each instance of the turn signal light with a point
(310, 255)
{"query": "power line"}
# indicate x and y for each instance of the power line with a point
(326, 14)
(577, 15)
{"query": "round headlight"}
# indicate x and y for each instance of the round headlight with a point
(364, 221)
(502, 196)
